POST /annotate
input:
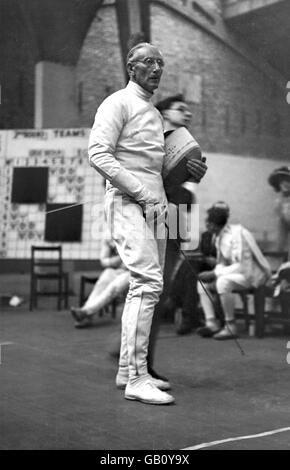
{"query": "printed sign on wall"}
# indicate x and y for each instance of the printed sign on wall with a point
(59, 158)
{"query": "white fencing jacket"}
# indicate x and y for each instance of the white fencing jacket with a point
(238, 252)
(126, 144)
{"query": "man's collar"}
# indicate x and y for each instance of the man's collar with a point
(225, 229)
(139, 91)
(168, 126)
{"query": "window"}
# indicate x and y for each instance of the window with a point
(63, 225)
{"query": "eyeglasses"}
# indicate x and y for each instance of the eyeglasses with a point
(151, 62)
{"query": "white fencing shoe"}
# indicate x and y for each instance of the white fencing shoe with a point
(161, 384)
(229, 331)
(147, 392)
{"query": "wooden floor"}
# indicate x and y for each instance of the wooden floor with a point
(57, 389)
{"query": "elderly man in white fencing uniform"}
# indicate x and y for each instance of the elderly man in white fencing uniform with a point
(127, 147)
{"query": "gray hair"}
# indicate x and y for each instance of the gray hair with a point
(135, 48)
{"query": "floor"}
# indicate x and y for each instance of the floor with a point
(57, 389)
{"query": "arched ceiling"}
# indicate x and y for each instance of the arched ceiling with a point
(56, 28)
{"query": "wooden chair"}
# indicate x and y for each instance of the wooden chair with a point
(264, 315)
(251, 319)
(46, 265)
(276, 258)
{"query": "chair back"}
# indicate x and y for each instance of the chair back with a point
(46, 260)
(276, 258)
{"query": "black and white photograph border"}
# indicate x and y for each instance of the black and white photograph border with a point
(91, 92)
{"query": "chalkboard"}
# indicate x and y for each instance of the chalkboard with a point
(29, 185)
(63, 225)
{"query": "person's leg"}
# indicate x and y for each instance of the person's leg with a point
(167, 259)
(118, 283)
(139, 252)
(122, 377)
(169, 300)
(225, 286)
(189, 301)
(107, 277)
(156, 321)
(123, 374)
(176, 286)
(206, 294)
(228, 306)
(84, 315)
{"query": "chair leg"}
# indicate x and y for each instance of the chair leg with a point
(35, 295)
(114, 308)
(35, 292)
(59, 298)
(259, 301)
(66, 291)
(82, 291)
(246, 312)
(31, 302)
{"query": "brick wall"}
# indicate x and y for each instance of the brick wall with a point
(241, 111)
(99, 69)
(237, 109)
(16, 70)
(55, 98)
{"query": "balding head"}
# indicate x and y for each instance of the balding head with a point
(133, 52)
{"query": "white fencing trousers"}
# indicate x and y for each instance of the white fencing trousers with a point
(143, 254)
(224, 285)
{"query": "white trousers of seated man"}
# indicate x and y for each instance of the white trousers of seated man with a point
(143, 253)
(111, 283)
(224, 286)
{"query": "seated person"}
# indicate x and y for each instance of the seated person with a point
(113, 281)
(278, 287)
(280, 181)
(240, 265)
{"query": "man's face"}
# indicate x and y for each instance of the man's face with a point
(212, 227)
(146, 68)
(178, 115)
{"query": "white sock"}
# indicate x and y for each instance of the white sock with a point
(212, 323)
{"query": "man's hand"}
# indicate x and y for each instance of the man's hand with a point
(155, 211)
(207, 276)
(113, 262)
(197, 168)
